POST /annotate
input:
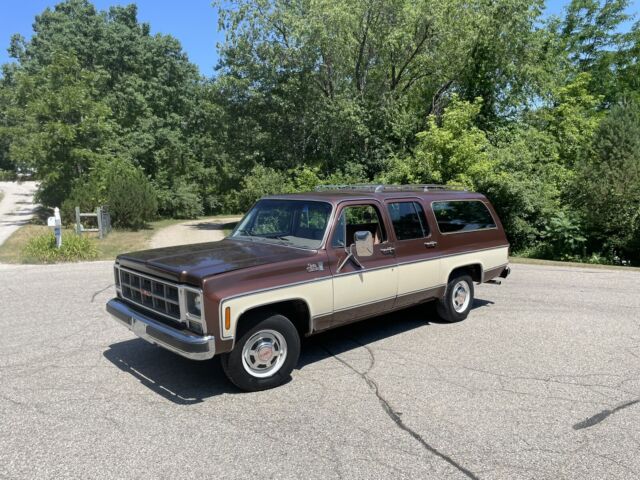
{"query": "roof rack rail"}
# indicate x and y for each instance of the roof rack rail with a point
(380, 188)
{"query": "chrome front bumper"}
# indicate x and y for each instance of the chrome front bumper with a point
(188, 345)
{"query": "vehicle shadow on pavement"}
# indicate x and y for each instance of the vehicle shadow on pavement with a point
(361, 333)
(187, 382)
(177, 379)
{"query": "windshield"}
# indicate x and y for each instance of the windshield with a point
(297, 223)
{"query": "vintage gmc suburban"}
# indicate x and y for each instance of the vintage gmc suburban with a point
(299, 264)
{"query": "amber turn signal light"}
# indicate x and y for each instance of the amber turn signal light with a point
(227, 318)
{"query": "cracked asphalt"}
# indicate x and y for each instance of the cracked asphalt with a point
(541, 381)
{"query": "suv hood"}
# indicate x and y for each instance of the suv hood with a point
(192, 263)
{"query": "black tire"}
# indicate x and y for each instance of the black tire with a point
(239, 372)
(446, 307)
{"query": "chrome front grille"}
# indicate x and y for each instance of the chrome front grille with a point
(156, 295)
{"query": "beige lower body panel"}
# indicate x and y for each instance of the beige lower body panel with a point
(333, 294)
(364, 287)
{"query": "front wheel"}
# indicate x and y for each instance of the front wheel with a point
(458, 299)
(265, 355)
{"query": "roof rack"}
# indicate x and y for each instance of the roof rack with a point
(380, 188)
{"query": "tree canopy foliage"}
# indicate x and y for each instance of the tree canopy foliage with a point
(539, 113)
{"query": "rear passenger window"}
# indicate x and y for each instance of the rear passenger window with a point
(462, 216)
(408, 220)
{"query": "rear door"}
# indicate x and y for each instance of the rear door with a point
(416, 252)
(362, 292)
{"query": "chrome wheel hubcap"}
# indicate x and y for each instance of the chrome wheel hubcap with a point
(461, 296)
(264, 353)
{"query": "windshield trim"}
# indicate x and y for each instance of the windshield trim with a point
(326, 231)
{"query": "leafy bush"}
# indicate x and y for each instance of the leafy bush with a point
(562, 237)
(42, 249)
(181, 201)
(120, 185)
(7, 176)
(263, 181)
(86, 194)
(260, 181)
(130, 196)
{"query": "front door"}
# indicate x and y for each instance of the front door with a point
(361, 291)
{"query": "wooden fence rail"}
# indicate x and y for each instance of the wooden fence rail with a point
(103, 219)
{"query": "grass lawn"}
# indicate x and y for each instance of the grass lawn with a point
(536, 261)
(118, 241)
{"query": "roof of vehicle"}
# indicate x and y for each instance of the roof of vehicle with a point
(338, 193)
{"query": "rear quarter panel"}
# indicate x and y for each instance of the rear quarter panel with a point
(487, 248)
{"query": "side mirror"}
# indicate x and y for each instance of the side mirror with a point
(364, 243)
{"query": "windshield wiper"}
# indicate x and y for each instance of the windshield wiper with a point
(278, 237)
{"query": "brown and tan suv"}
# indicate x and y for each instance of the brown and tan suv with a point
(299, 264)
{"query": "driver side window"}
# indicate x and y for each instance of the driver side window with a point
(358, 218)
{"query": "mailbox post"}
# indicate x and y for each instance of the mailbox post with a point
(55, 222)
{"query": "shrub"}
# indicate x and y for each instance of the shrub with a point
(42, 249)
(130, 196)
(120, 185)
(563, 236)
(181, 201)
(7, 176)
(263, 181)
(85, 194)
(260, 181)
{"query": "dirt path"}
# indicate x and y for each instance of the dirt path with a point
(16, 206)
(193, 231)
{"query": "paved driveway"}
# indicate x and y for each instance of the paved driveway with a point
(16, 206)
(541, 381)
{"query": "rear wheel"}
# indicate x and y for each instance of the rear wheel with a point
(265, 355)
(458, 299)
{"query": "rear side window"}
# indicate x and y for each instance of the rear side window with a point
(462, 216)
(408, 220)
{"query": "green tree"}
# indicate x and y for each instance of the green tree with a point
(143, 86)
(593, 42)
(454, 151)
(608, 183)
(61, 126)
(326, 83)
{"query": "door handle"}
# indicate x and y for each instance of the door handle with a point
(431, 244)
(387, 251)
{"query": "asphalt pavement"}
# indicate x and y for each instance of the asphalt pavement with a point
(541, 381)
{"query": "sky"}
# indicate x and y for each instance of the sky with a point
(193, 22)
